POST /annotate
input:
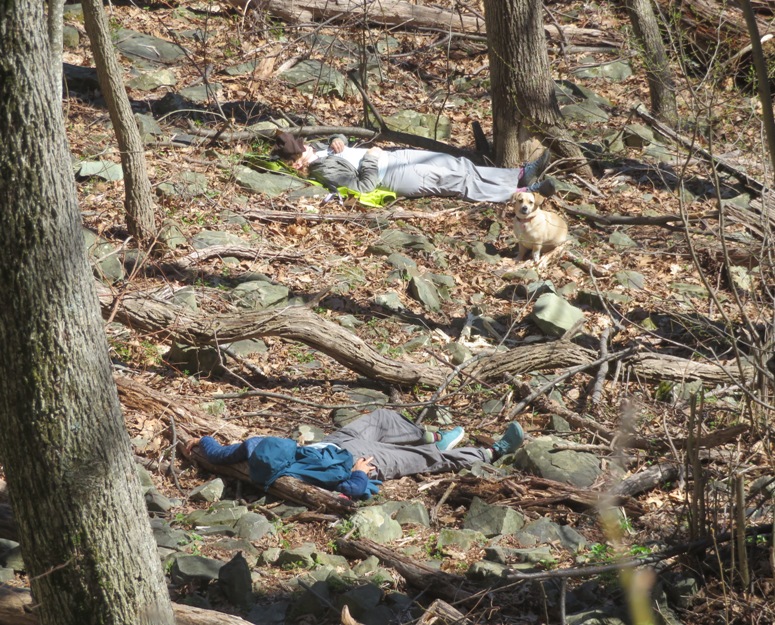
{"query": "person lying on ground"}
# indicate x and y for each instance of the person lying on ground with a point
(380, 445)
(409, 173)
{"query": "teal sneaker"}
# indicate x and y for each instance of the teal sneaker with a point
(511, 441)
(450, 439)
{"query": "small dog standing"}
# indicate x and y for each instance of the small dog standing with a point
(536, 230)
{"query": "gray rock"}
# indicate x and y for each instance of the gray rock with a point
(269, 184)
(486, 571)
(151, 80)
(259, 295)
(107, 170)
(202, 93)
(71, 38)
(401, 262)
(375, 524)
(312, 76)
(615, 70)
(339, 564)
(481, 251)
(186, 185)
(422, 289)
(367, 566)
(306, 434)
(390, 300)
(235, 581)
(241, 69)
(106, 264)
(492, 520)
(602, 300)
(503, 555)
(682, 588)
(209, 491)
(555, 316)
(595, 617)
(585, 111)
(630, 279)
(272, 614)
(691, 290)
(361, 600)
(186, 569)
(6, 575)
(398, 239)
(454, 540)
(300, 557)
(146, 481)
(11, 555)
(253, 526)
(147, 125)
(193, 360)
(137, 45)
(458, 353)
(269, 556)
(225, 515)
(637, 136)
(171, 236)
(620, 241)
(314, 600)
(568, 191)
(569, 92)
(423, 124)
(572, 467)
(408, 512)
(83, 79)
(209, 238)
(546, 531)
(166, 536)
(156, 502)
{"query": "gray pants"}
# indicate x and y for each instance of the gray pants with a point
(397, 446)
(418, 173)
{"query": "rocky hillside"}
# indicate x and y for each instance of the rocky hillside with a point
(634, 356)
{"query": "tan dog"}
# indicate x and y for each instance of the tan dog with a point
(536, 230)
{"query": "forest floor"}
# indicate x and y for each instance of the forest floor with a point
(297, 385)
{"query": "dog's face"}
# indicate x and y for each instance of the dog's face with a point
(526, 203)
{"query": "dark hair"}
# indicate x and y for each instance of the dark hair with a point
(288, 146)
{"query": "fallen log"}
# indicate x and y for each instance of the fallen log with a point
(434, 583)
(16, 608)
(298, 323)
(409, 16)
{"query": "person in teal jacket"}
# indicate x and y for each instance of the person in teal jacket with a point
(354, 460)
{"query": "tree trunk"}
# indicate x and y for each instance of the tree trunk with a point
(524, 105)
(82, 523)
(138, 199)
(658, 74)
(56, 11)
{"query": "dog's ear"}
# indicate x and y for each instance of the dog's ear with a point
(539, 199)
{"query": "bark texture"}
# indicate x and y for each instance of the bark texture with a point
(82, 522)
(658, 73)
(138, 199)
(524, 105)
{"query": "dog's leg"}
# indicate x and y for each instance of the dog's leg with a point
(536, 253)
(522, 252)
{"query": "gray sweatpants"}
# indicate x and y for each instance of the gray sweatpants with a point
(397, 446)
(418, 173)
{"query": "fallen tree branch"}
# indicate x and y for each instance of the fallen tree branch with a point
(752, 184)
(435, 583)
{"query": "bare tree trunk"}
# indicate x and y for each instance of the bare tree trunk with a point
(660, 78)
(56, 11)
(138, 199)
(524, 104)
(82, 522)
